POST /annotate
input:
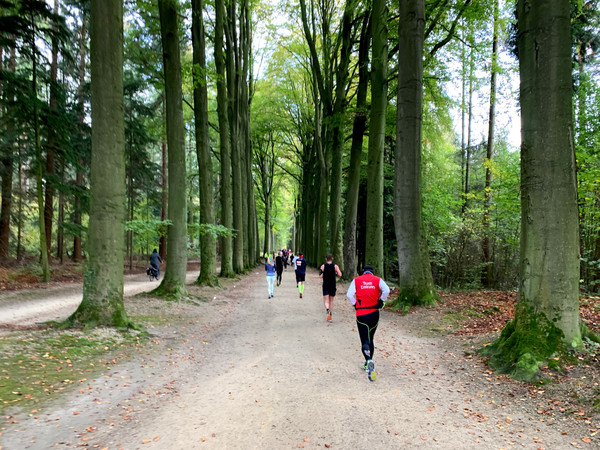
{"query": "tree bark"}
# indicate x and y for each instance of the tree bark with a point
(338, 133)
(415, 282)
(173, 283)
(102, 302)
(7, 176)
(232, 62)
(38, 158)
(469, 147)
(77, 253)
(224, 143)
(547, 319)
(487, 272)
(358, 131)
(51, 142)
(374, 232)
(208, 243)
(164, 190)
(245, 144)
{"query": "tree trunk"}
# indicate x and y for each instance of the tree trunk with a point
(7, 176)
(173, 283)
(547, 319)
(233, 106)
(415, 282)
(374, 232)
(486, 276)
(164, 181)
(224, 144)
(358, 131)
(208, 243)
(245, 145)
(102, 302)
(60, 233)
(38, 160)
(338, 132)
(469, 148)
(51, 142)
(20, 206)
(77, 253)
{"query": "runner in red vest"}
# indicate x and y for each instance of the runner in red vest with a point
(367, 293)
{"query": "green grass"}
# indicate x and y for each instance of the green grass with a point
(38, 366)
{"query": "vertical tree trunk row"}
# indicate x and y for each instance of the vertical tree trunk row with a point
(208, 244)
(374, 232)
(173, 283)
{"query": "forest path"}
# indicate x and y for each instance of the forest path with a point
(245, 372)
(24, 308)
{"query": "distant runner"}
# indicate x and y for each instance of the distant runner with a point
(300, 267)
(279, 266)
(367, 293)
(328, 272)
(270, 268)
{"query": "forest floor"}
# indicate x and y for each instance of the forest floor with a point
(232, 369)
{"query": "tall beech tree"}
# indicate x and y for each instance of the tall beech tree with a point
(547, 319)
(415, 282)
(486, 244)
(234, 79)
(374, 232)
(208, 243)
(7, 161)
(173, 283)
(224, 143)
(102, 302)
(358, 131)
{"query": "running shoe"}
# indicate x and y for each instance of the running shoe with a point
(328, 317)
(371, 371)
(365, 367)
(300, 294)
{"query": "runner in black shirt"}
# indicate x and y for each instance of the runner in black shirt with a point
(329, 271)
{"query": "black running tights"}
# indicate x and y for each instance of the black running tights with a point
(367, 325)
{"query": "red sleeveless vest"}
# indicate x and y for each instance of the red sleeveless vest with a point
(367, 293)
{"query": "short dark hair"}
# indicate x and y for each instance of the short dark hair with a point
(368, 268)
(329, 257)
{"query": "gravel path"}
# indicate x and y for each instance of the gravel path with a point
(246, 372)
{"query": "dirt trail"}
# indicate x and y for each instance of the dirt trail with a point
(24, 308)
(247, 372)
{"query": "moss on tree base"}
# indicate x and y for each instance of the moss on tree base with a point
(525, 344)
(171, 293)
(91, 316)
(414, 297)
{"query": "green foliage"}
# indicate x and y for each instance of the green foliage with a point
(212, 229)
(148, 230)
(588, 177)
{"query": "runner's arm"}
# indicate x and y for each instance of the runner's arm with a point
(351, 293)
(321, 271)
(384, 289)
(338, 271)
